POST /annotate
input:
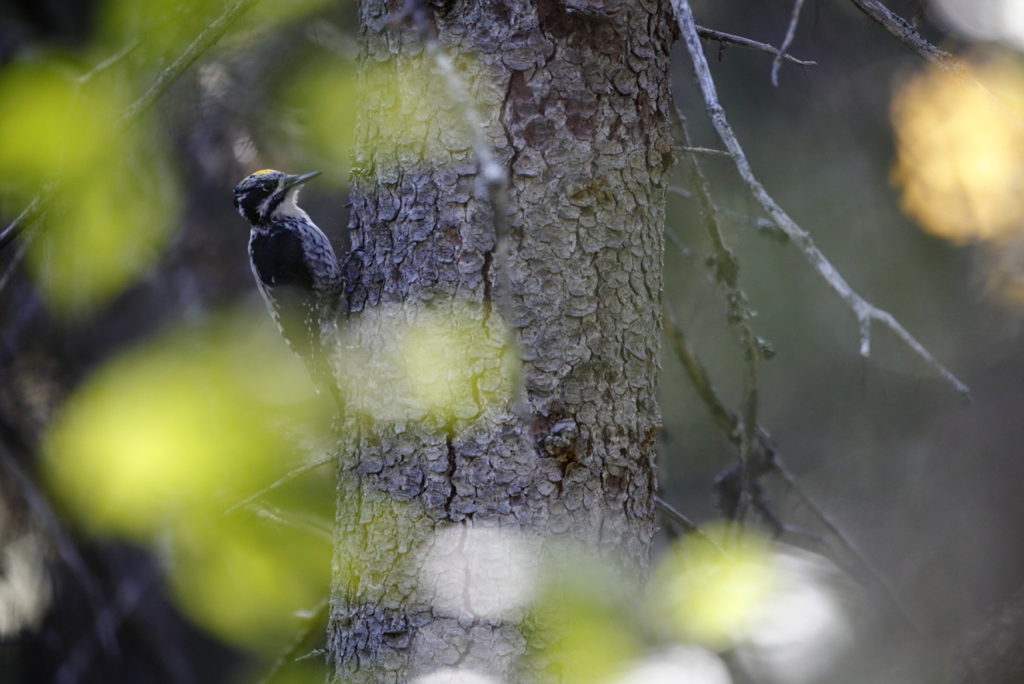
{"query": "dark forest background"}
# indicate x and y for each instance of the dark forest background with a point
(924, 484)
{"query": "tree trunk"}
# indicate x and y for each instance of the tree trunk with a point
(575, 103)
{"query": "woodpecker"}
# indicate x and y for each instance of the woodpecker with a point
(295, 267)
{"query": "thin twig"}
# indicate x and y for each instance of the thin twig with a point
(738, 311)
(109, 61)
(794, 19)
(765, 459)
(684, 522)
(905, 32)
(726, 420)
(19, 254)
(689, 527)
(302, 522)
(25, 218)
(291, 654)
(761, 223)
(732, 39)
(203, 42)
(710, 151)
(844, 540)
(865, 312)
(284, 479)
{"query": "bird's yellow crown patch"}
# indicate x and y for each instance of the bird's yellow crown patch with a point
(263, 171)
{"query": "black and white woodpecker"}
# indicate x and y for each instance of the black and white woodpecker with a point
(295, 267)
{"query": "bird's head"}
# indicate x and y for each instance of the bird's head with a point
(261, 196)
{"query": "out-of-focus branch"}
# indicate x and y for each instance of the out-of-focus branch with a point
(105, 629)
(794, 19)
(732, 39)
(762, 453)
(24, 219)
(304, 523)
(206, 39)
(865, 312)
(109, 62)
(688, 526)
(203, 42)
(764, 459)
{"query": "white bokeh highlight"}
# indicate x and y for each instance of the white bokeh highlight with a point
(800, 629)
(480, 572)
(680, 665)
(984, 20)
(25, 591)
(453, 675)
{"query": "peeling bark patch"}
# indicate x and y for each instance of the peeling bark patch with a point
(538, 133)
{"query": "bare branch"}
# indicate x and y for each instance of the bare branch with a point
(203, 42)
(844, 540)
(109, 61)
(732, 39)
(688, 526)
(709, 151)
(302, 522)
(794, 19)
(25, 218)
(905, 32)
(698, 376)
(764, 459)
(865, 312)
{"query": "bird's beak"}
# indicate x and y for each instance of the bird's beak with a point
(292, 181)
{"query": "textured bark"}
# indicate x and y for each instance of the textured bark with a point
(575, 101)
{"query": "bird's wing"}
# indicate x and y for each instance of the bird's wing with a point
(286, 282)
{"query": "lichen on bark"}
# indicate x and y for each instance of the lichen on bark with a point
(575, 103)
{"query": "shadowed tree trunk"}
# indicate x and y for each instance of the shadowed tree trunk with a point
(575, 103)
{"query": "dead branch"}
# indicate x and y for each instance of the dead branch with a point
(865, 312)
(794, 18)
(732, 39)
(905, 32)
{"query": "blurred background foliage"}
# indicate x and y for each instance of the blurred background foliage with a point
(145, 397)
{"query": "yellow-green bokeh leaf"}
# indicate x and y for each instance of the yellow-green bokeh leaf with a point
(111, 195)
(245, 579)
(708, 591)
(102, 232)
(46, 125)
(163, 28)
(582, 628)
(408, 113)
(192, 421)
(448, 362)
